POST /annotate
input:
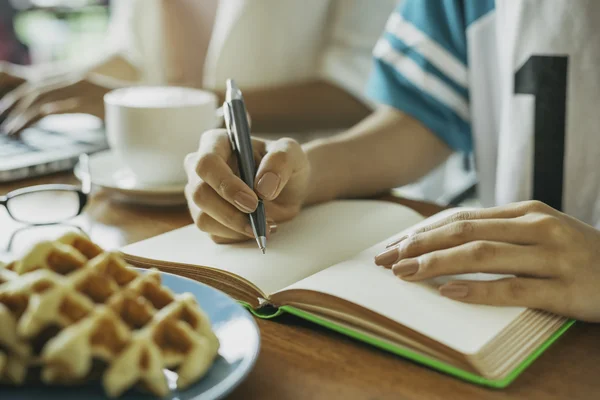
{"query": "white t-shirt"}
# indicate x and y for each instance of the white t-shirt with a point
(516, 82)
(258, 42)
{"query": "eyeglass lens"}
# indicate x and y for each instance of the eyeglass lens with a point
(22, 240)
(44, 207)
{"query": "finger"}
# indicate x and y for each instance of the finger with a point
(208, 224)
(209, 201)
(212, 168)
(223, 235)
(281, 212)
(512, 230)
(38, 96)
(479, 256)
(516, 292)
(283, 159)
(512, 210)
(28, 94)
(14, 71)
(11, 99)
(224, 240)
(218, 232)
(8, 83)
(18, 123)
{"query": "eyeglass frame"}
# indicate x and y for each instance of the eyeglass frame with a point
(83, 193)
(15, 234)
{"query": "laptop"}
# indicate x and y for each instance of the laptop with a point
(52, 145)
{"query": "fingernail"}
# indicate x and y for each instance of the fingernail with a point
(396, 242)
(388, 257)
(454, 290)
(267, 185)
(406, 268)
(245, 202)
(271, 229)
(249, 230)
(272, 225)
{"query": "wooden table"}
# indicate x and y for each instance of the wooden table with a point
(299, 360)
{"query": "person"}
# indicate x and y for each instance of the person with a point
(304, 77)
(513, 82)
(302, 70)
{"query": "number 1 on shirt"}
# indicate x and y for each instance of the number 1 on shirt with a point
(546, 78)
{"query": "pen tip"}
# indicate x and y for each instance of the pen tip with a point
(262, 244)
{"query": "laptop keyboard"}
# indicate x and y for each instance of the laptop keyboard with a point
(10, 147)
(39, 151)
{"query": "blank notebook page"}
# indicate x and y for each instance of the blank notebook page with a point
(319, 237)
(419, 306)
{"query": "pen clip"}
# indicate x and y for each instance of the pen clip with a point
(228, 116)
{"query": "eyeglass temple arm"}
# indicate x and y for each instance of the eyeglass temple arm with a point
(86, 179)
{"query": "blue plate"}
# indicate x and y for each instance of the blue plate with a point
(234, 326)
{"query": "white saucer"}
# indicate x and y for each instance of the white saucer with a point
(109, 173)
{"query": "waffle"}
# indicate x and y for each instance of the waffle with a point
(71, 313)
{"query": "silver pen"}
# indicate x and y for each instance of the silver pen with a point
(238, 129)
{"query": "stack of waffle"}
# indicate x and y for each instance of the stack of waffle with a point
(71, 313)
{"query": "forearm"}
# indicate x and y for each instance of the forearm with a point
(309, 106)
(116, 66)
(110, 65)
(386, 150)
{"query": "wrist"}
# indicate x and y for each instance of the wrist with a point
(325, 180)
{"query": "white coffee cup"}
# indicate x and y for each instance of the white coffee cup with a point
(152, 128)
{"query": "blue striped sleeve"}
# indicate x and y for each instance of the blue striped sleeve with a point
(420, 65)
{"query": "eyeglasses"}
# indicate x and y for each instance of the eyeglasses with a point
(49, 204)
(24, 238)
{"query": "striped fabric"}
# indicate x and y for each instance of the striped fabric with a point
(420, 65)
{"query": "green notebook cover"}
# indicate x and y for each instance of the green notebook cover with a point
(419, 358)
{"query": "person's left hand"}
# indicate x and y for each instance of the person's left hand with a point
(71, 93)
(11, 77)
(554, 259)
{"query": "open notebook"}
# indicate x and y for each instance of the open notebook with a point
(320, 267)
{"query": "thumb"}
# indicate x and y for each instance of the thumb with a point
(284, 157)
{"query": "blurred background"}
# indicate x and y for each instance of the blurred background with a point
(71, 32)
(40, 31)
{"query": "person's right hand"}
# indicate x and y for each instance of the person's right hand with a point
(219, 200)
